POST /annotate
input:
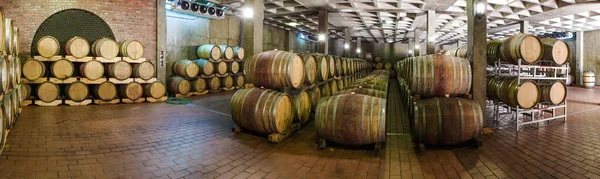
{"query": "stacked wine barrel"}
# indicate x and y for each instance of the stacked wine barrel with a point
(102, 72)
(294, 81)
(431, 87)
(218, 67)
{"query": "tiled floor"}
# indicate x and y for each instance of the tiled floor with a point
(195, 141)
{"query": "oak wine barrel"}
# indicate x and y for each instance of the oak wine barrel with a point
(589, 79)
(25, 91)
(556, 50)
(77, 91)
(377, 59)
(325, 90)
(8, 35)
(238, 52)
(178, 85)
(262, 110)
(493, 53)
(205, 67)
(521, 46)
(301, 104)
(15, 105)
(62, 69)
(120, 70)
(198, 85)
(2, 41)
(48, 92)
(378, 66)
(333, 86)
(48, 46)
(77, 47)
(214, 83)
(11, 72)
(16, 71)
(105, 48)
(310, 65)
(524, 95)
(105, 91)
(7, 113)
(364, 91)
(351, 119)
(330, 64)
(227, 81)
(227, 52)
(91, 70)
(554, 93)
(144, 70)
(154, 90)
(439, 75)
(462, 52)
(132, 91)
(275, 70)
(233, 67)
(186, 68)
(4, 76)
(447, 121)
(322, 67)
(19, 95)
(239, 81)
(209, 51)
(345, 68)
(221, 67)
(15, 39)
(339, 71)
(315, 96)
(132, 48)
(368, 56)
(387, 66)
(340, 83)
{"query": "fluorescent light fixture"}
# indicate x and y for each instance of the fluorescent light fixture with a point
(432, 38)
(456, 23)
(293, 24)
(346, 46)
(358, 50)
(321, 37)
(302, 36)
(480, 8)
(247, 12)
(417, 46)
(390, 41)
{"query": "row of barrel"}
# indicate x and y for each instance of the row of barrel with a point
(180, 85)
(527, 47)
(218, 53)
(9, 36)
(11, 109)
(78, 91)
(79, 47)
(33, 69)
(191, 69)
(525, 93)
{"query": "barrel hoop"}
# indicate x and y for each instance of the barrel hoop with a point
(480, 118)
(439, 117)
(517, 50)
(413, 83)
(273, 82)
(416, 122)
(256, 109)
(362, 121)
(470, 75)
(476, 129)
(432, 81)
(424, 120)
(273, 121)
(454, 71)
(334, 112)
(462, 121)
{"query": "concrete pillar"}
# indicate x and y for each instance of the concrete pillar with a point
(417, 45)
(288, 39)
(524, 27)
(161, 41)
(476, 44)
(411, 47)
(430, 32)
(358, 44)
(347, 41)
(579, 39)
(253, 28)
(323, 30)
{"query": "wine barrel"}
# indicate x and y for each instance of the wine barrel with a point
(105, 91)
(178, 85)
(7, 113)
(198, 85)
(227, 52)
(227, 81)
(105, 48)
(555, 50)
(186, 68)
(4, 76)
(154, 90)
(493, 53)
(15, 39)
(325, 90)
(339, 71)
(15, 105)
(301, 103)
(345, 69)
(77, 91)
(8, 35)
(62, 69)
(554, 93)
(387, 66)
(209, 51)
(144, 70)
(19, 96)
(322, 67)
(120, 70)
(91, 70)
(25, 91)
(447, 121)
(378, 66)
(333, 86)
(340, 83)
(462, 52)
(238, 52)
(239, 81)
(315, 96)
(310, 65)
(521, 46)
(221, 67)
(377, 59)
(262, 110)
(589, 79)
(2, 42)
(376, 86)
(524, 95)
(11, 72)
(48, 92)
(214, 83)
(331, 65)
(351, 119)
(364, 91)
(48, 46)
(275, 70)
(205, 67)
(16, 72)
(439, 75)
(77, 47)
(132, 91)
(132, 48)
(233, 67)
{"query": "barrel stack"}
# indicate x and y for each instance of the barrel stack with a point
(296, 82)
(89, 71)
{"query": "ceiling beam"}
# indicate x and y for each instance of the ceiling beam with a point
(311, 12)
(563, 11)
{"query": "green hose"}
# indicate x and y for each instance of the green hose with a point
(175, 100)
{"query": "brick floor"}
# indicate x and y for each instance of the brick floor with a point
(195, 141)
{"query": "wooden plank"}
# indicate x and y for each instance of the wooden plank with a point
(100, 102)
(229, 89)
(74, 59)
(207, 76)
(44, 59)
(129, 101)
(116, 81)
(82, 103)
(53, 103)
(139, 80)
(220, 76)
(153, 100)
(183, 95)
(65, 81)
(129, 60)
(104, 60)
(27, 102)
(200, 93)
(88, 81)
(38, 81)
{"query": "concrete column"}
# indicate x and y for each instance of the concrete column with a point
(579, 39)
(346, 41)
(476, 44)
(161, 41)
(253, 28)
(358, 44)
(430, 32)
(417, 45)
(323, 29)
(411, 47)
(524, 27)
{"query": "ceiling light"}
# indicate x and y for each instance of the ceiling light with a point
(302, 36)
(358, 50)
(346, 46)
(390, 41)
(293, 24)
(247, 12)
(480, 8)
(321, 37)
(417, 46)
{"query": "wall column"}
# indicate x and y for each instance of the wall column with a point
(358, 44)
(417, 45)
(253, 28)
(476, 44)
(323, 30)
(347, 42)
(411, 47)
(430, 32)
(579, 39)
(161, 41)
(524, 27)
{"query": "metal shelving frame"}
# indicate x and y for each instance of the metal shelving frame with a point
(542, 75)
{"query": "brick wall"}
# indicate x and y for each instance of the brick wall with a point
(128, 19)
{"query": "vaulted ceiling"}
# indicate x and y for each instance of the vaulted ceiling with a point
(390, 20)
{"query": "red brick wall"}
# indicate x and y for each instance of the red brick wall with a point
(128, 19)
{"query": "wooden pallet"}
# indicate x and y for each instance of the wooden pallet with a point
(104, 60)
(278, 138)
(74, 59)
(129, 60)
(207, 76)
(225, 60)
(100, 102)
(81, 103)
(139, 80)
(65, 81)
(214, 61)
(183, 95)
(27, 102)
(129, 101)
(53, 103)
(88, 81)
(44, 59)
(238, 87)
(229, 89)
(116, 81)
(154, 100)
(221, 76)
(199, 93)
(238, 60)
(215, 91)
(38, 81)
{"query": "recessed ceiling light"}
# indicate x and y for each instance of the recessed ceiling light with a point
(293, 24)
